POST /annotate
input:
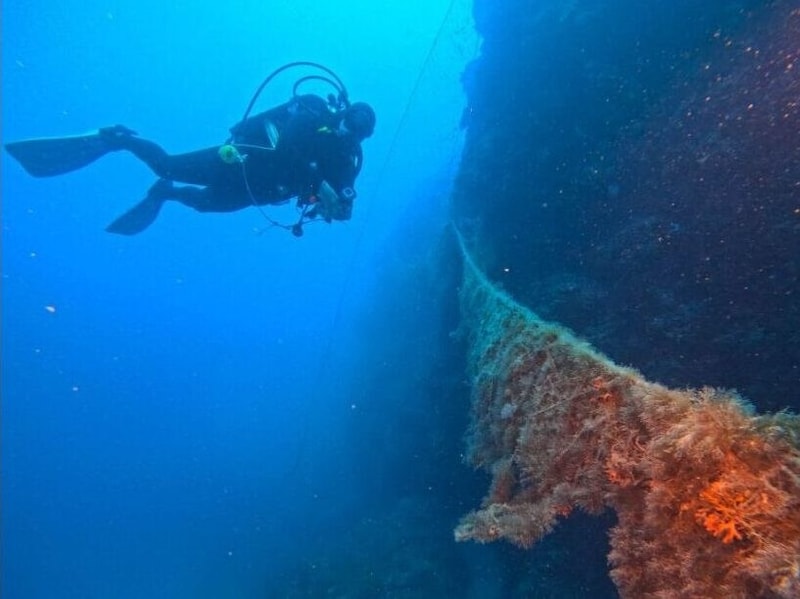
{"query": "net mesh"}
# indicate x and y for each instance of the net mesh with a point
(706, 492)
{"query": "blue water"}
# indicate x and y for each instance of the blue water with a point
(177, 406)
(215, 408)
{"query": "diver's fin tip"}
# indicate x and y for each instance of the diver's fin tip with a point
(138, 218)
(116, 229)
(51, 156)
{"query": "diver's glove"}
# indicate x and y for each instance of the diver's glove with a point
(331, 205)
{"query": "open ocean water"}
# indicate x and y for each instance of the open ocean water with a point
(215, 408)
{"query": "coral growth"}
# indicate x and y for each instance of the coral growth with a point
(707, 494)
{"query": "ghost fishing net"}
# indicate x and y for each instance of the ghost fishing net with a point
(706, 493)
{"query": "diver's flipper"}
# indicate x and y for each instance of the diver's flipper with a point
(50, 156)
(143, 214)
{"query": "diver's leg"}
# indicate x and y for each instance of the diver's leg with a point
(202, 199)
(209, 199)
(202, 167)
(120, 138)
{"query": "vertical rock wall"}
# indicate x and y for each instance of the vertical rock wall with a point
(634, 174)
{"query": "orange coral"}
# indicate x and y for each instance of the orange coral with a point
(734, 507)
(724, 513)
(720, 525)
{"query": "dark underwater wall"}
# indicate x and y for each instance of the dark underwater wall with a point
(632, 170)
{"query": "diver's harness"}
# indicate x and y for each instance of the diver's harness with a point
(325, 200)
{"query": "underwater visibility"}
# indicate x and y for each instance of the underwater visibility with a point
(475, 299)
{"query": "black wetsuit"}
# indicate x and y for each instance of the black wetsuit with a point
(309, 149)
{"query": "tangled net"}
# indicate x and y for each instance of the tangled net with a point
(707, 493)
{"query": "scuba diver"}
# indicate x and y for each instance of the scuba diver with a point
(308, 148)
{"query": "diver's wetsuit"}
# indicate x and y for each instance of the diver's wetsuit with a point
(300, 149)
(308, 150)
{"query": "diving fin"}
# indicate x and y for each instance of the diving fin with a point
(50, 156)
(143, 214)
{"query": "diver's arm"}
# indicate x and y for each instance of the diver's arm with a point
(336, 192)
